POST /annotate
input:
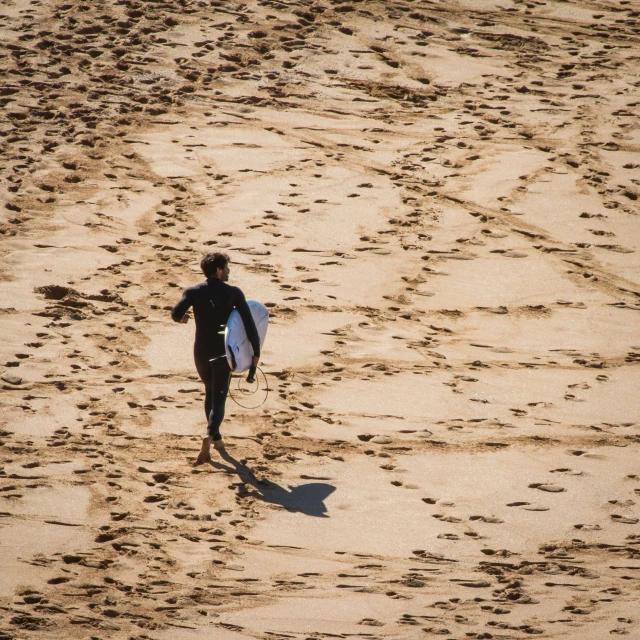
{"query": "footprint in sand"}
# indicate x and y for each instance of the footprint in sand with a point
(622, 503)
(550, 488)
(487, 519)
(624, 519)
(528, 506)
(502, 553)
(443, 518)
(371, 622)
(448, 536)
(535, 507)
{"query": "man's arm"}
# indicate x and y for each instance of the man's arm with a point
(249, 324)
(179, 312)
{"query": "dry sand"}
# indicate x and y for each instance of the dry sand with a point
(439, 202)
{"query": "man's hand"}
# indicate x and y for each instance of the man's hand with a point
(185, 319)
(251, 378)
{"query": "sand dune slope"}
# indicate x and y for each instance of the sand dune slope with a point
(438, 202)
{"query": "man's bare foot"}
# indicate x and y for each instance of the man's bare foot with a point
(218, 445)
(204, 455)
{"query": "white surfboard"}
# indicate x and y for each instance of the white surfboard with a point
(237, 345)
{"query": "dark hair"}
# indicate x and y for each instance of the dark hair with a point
(211, 262)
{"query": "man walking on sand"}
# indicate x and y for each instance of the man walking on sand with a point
(212, 302)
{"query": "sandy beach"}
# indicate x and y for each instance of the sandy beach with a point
(438, 203)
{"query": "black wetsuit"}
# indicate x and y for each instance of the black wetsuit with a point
(212, 302)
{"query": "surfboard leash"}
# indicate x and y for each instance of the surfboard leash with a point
(247, 387)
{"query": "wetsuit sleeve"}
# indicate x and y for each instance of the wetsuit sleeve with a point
(177, 313)
(247, 319)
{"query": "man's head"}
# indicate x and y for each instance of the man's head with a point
(215, 265)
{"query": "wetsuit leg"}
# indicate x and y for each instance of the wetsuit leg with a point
(204, 371)
(215, 377)
(220, 387)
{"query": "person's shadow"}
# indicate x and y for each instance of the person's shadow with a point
(306, 498)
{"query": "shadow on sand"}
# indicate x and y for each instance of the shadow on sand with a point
(306, 498)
